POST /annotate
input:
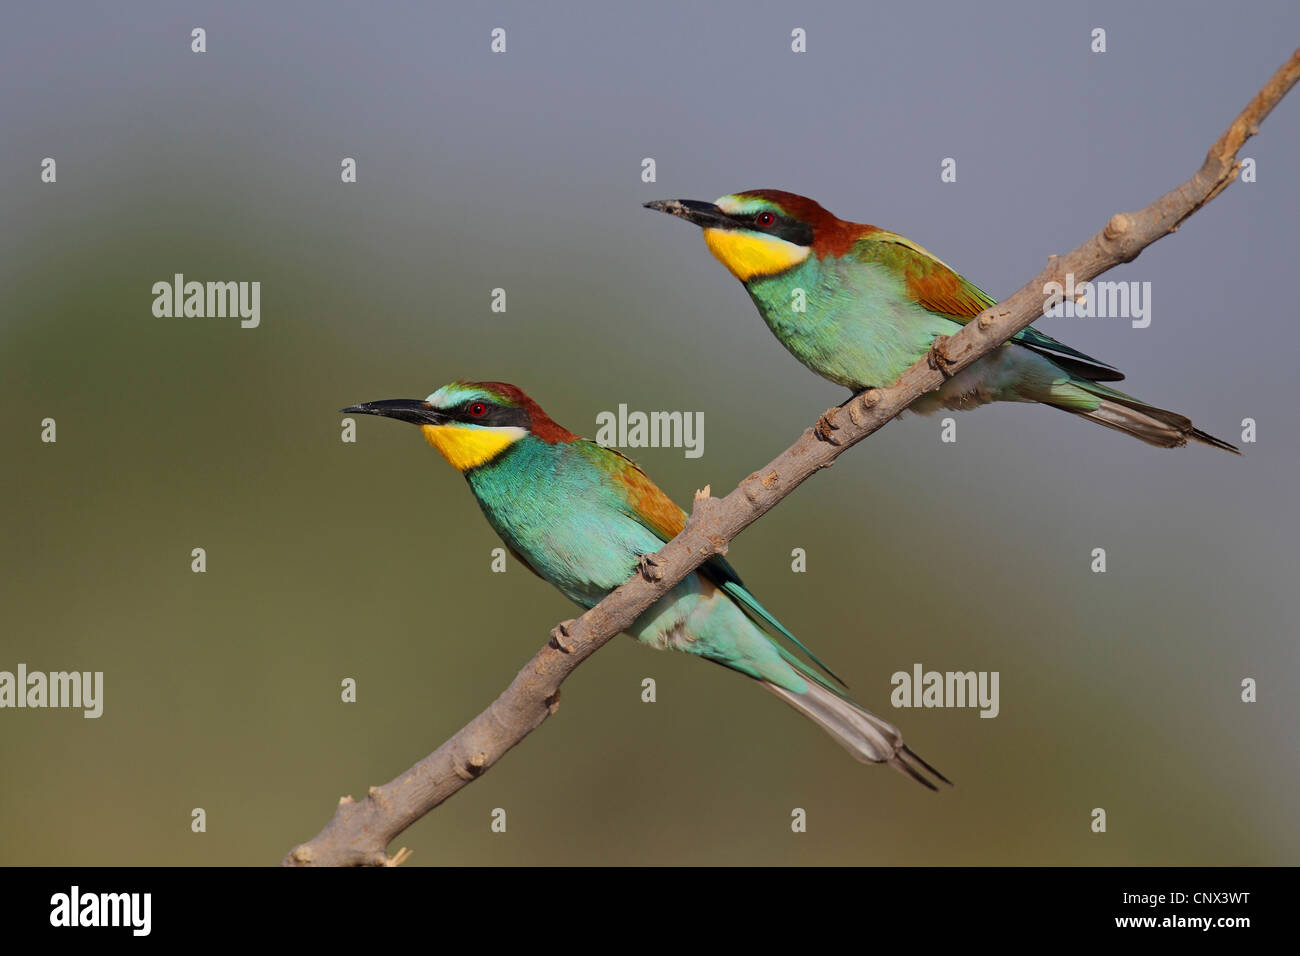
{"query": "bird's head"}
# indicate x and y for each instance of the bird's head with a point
(471, 423)
(764, 232)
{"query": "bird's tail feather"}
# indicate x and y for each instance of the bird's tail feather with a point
(864, 735)
(1155, 426)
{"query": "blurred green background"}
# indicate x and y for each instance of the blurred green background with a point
(370, 560)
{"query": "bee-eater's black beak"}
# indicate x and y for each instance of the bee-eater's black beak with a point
(413, 410)
(704, 214)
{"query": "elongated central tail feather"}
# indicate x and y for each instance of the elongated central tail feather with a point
(864, 735)
(1114, 409)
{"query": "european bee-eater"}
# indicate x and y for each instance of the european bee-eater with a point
(872, 302)
(581, 516)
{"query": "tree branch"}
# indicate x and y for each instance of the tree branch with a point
(359, 832)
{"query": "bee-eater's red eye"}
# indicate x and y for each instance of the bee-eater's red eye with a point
(478, 409)
(766, 218)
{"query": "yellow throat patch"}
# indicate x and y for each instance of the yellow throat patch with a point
(466, 448)
(749, 254)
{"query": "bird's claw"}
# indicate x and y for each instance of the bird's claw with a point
(826, 426)
(560, 637)
(938, 357)
(648, 565)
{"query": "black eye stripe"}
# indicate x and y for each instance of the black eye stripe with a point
(783, 227)
(493, 415)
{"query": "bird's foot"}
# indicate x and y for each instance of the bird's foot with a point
(560, 637)
(648, 565)
(826, 426)
(938, 357)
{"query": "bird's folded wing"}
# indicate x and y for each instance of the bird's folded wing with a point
(938, 289)
(647, 504)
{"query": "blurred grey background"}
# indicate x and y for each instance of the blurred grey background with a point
(522, 171)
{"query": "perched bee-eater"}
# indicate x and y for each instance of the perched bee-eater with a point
(582, 517)
(858, 305)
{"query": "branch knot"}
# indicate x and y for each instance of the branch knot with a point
(703, 506)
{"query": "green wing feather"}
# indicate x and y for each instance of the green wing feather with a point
(939, 289)
(661, 516)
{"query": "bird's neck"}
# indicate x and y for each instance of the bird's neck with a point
(786, 297)
(511, 487)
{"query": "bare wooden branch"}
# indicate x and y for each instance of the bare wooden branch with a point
(360, 831)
